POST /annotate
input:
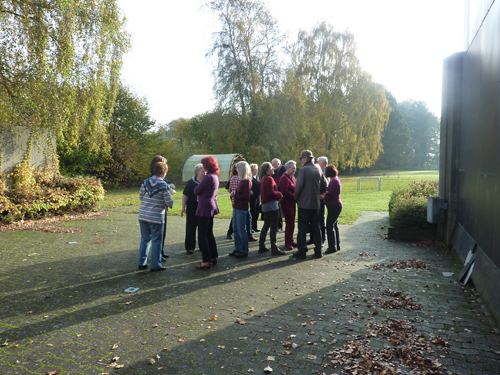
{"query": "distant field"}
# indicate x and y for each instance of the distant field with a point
(368, 199)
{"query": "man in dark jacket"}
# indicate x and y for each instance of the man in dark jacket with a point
(279, 169)
(311, 183)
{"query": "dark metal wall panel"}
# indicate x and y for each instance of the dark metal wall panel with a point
(469, 144)
(479, 157)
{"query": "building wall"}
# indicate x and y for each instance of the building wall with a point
(14, 145)
(470, 141)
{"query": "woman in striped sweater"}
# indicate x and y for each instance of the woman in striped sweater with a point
(155, 197)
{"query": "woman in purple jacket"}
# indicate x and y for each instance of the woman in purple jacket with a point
(334, 205)
(207, 209)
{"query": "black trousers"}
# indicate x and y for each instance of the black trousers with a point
(322, 225)
(254, 210)
(164, 235)
(270, 221)
(206, 239)
(191, 225)
(332, 227)
(308, 218)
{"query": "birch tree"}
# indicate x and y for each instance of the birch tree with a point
(347, 109)
(59, 66)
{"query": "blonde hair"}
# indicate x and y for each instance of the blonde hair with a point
(244, 172)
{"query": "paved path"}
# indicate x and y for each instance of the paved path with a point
(63, 307)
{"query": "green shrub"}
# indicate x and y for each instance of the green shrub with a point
(37, 194)
(408, 206)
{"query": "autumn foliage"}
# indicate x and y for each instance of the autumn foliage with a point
(36, 194)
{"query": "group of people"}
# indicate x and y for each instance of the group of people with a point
(276, 195)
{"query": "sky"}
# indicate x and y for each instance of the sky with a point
(401, 43)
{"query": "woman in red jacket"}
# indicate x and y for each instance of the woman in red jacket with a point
(241, 197)
(287, 188)
(269, 197)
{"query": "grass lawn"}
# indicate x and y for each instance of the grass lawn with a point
(368, 199)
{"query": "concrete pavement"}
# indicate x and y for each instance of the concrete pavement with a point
(64, 307)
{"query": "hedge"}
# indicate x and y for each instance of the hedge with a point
(408, 206)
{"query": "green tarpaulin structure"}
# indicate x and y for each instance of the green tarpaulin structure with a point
(225, 162)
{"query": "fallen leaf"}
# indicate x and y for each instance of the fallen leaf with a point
(52, 372)
(251, 309)
(114, 347)
(152, 361)
(239, 321)
(268, 369)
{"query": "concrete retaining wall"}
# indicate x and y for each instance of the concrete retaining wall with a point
(14, 145)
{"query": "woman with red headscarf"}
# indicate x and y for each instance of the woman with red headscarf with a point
(207, 209)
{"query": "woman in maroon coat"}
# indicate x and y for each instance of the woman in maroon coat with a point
(270, 197)
(240, 210)
(287, 187)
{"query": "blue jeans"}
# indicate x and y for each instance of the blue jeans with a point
(249, 227)
(241, 223)
(249, 224)
(154, 233)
